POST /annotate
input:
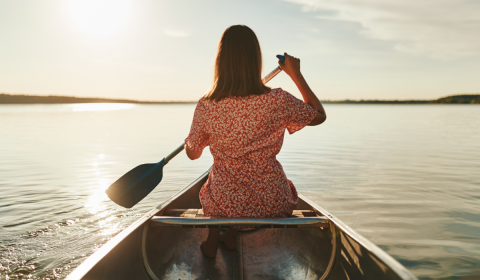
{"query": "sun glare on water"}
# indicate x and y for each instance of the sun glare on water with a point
(100, 18)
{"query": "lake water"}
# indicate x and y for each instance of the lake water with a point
(406, 177)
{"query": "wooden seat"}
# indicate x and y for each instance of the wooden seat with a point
(186, 213)
(198, 213)
(195, 218)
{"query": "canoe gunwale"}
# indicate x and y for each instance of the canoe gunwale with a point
(388, 260)
(98, 255)
(164, 204)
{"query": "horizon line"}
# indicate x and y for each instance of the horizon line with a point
(69, 99)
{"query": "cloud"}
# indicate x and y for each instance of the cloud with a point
(445, 29)
(175, 33)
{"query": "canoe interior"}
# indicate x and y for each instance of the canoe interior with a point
(147, 251)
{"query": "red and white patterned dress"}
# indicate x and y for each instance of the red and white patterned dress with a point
(245, 135)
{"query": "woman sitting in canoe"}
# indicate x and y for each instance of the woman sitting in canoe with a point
(243, 121)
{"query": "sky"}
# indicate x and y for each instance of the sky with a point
(164, 50)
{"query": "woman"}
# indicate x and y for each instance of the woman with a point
(243, 121)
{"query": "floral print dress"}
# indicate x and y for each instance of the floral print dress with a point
(245, 135)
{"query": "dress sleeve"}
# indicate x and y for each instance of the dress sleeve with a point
(299, 113)
(198, 139)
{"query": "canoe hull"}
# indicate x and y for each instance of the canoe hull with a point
(261, 254)
(148, 251)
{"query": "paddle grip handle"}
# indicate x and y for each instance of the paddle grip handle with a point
(275, 71)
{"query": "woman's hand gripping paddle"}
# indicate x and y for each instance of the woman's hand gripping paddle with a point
(137, 183)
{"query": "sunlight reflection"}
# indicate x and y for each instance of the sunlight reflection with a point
(94, 204)
(103, 184)
(100, 106)
(111, 229)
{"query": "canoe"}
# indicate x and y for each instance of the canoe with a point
(311, 244)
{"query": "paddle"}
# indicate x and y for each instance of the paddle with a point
(137, 183)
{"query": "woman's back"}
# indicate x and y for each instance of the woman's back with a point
(245, 135)
(243, 128)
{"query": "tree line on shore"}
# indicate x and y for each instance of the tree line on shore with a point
(453, 99)
(52, 99)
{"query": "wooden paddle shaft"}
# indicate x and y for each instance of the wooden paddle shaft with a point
(265, 80)
(174, 153)
(272, 74)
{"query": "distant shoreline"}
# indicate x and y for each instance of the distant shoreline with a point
(53, 99)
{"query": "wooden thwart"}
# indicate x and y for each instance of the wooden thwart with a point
(198, 213)
(195, 218)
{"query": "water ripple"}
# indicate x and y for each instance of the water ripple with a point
(405, 177)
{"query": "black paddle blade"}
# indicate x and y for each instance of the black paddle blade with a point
(136, 184)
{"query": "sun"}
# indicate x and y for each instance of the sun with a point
(100, 18)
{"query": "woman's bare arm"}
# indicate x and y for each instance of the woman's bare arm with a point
(292, 68)
(193, 155)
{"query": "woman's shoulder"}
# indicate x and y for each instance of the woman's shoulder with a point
(204, 102)
(202, 105)
(279, 93)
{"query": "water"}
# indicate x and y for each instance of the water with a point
(406, 177)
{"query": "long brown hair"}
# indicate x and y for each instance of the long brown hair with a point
(238, 66)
